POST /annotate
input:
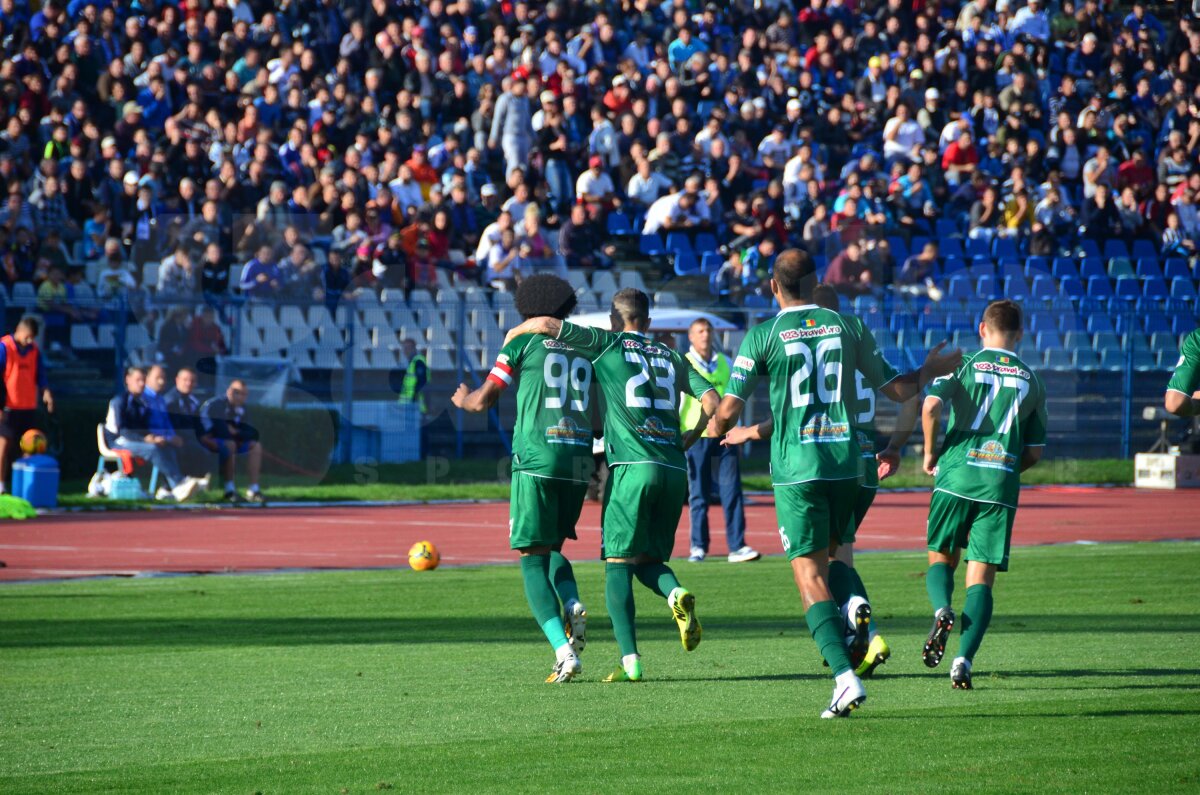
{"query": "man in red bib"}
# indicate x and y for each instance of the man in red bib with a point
(24, 382)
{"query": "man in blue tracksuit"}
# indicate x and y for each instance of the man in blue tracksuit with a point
(708, 457)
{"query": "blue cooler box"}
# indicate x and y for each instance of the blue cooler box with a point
(35, 478)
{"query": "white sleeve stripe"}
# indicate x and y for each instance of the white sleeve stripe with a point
(503, 376)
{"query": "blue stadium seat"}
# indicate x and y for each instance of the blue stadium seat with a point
(1099, 322)
(1112, 359)
(1016, 288)
(918, 244)
(1083, 359)
(711, 262)
(1099, 287)
(1155, 289)
(1090, 267)
(1125, 323)
(1163, 341)
(945, 227)
(1044, 288)
(1183, 323)
(1147, 267)
(1040, 322)
(1106, 341)
(981, 267)
(1057, 359)
(987, 288)
(1005, 247)
(1183, 289)
(1128, 288)
(618, 223)
(978, 247)
(959, 288)
(1176, 269)
(899, 247)
(1037, 266)
(1071, 287)
(679, 242)
(1072, 321)
(651, 245)
(1120, 267)
(1049, 339)
(1064, 267)
(865, 303)
(1144, 249)
(1114, 248)
(1157, 323)
(705, 242)
(686, 263)
(902, 322)
(952, 265)
(1090, 248)
(959, 321)
(950, 247)
(1076, 341)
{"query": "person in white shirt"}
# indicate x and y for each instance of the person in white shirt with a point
(671, 212)
(603, 139)
(491, 235)
(902, 137)
(406, 190)
(775, 149)
(1031, 20)
(647, 185)
(595, 187)
(952, 131)
(710, 132)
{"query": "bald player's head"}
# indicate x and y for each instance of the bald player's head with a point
(794, 276)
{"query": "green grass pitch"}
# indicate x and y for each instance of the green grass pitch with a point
(367, 681)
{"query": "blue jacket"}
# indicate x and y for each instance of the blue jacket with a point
(128, 417)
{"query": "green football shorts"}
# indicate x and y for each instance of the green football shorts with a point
(983, 529)
(866, 496)
(542, 511)
(811, 514)
(642, 506)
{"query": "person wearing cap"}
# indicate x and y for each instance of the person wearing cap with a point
(618, 100)
(871, 89)
(512, 125)
(932, 116)
(595, 188)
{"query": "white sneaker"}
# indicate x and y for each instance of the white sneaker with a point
(565, 670)
(186, 488)
(696, 555)
(743, 555)
(576, 617)
(847, 697)
(163, 493)
(204, 482)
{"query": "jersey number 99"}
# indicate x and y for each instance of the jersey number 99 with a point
(565, 374)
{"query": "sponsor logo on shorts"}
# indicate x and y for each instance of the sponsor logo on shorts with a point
(793, 334)
(823, 430)
(743, 363)
(991, 455)
(999, 369)
(653, 430)
(866, 444)
(567, 431)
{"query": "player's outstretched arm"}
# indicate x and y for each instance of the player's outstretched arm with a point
(1030, 456)
(708, 407)
(547, 326)
(937, 364)
(906, 421)
(931, 419)
(477, 401)
(740, 434)
(1181, 404)
(727, 415)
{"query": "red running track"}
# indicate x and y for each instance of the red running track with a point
(128, 544)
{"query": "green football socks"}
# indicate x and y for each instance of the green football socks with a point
(535, 571)
(658, 577)
(977, 614)
(828, 629)
(563, 578)
(841, 582)
(939, 582)
(618, 594)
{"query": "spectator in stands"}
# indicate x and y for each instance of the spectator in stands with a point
(986, 215)
(177, 275)
(596, 190)
(56, 310)
(1099, 217)
(960, 159)
(504, 262)
(580, 243)
(675, 212)
(214, 271)
(183, 408)
(115, 277)
(226, 431)
(173, 337)
(646, 186)
(512, 125)
(849, 272)
(205, 339)
(261, 278)
(128, 427)
(1174, 244)
(916, 277)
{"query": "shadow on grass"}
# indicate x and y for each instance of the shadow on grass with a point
(1093, 713)
(335, 630)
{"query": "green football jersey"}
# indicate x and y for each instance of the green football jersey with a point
(1186, 378)
(810, 357)
(997, 408)
(552, 437)
(641, 382)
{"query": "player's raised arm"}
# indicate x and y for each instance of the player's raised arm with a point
(740, 434)
(548, 326)
(938, 363)
(478, 400)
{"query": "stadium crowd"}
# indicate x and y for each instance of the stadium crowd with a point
(332, 146)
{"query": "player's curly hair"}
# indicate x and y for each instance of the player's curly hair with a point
(545, 295)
